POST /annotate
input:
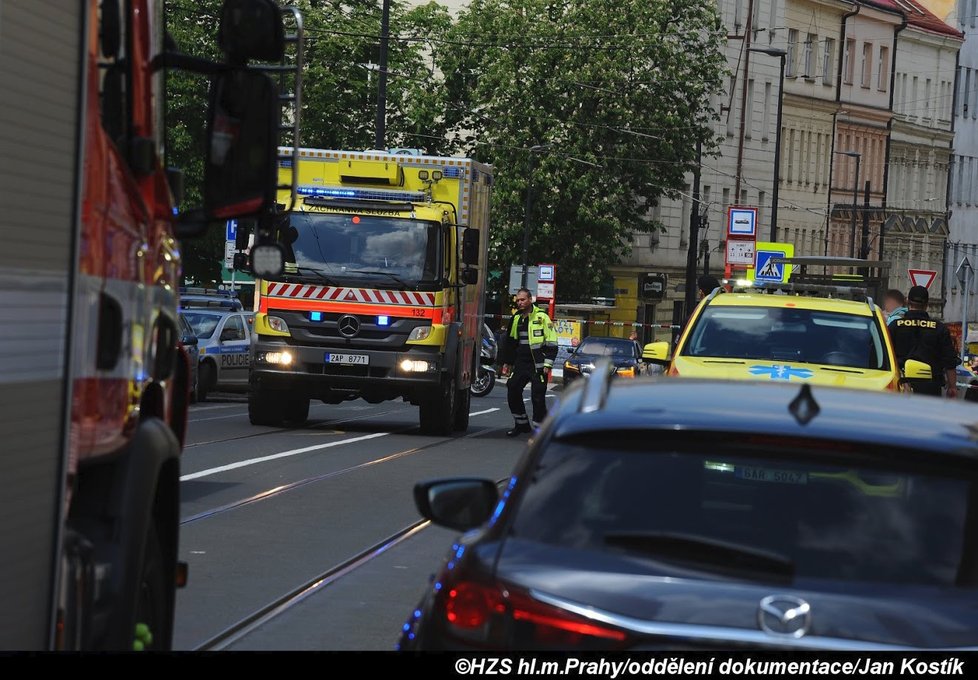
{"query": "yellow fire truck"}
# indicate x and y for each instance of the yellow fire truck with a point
(383, 290)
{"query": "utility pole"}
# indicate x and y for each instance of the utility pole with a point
(381, 121)
(694, 235)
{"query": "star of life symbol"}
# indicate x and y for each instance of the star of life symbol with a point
(782, 372)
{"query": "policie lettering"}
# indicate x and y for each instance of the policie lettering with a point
(916, 323)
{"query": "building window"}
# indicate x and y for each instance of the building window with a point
(914, 101)
(883, 80)
(761, 206)
(849, 61)
(927, 106)
(791, 156)
(738, 14)
(809, 59)
(867, 76)
(767, 112)
(731, 121)
(789, 67)
(749, 114)
(828, 61)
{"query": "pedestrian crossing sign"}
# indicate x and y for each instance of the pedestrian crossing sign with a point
(766, 268)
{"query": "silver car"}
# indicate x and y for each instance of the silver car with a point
(224, 339)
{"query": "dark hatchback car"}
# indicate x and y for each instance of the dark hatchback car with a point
(625, 357)
(652, 515)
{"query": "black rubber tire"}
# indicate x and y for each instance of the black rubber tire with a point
(438, 410)
(154, 601)
(484, 383)
(463, 406)
(266, 408)
(206, 380)
(297, 411)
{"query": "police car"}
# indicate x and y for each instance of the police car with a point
(784, 338)
(223, 331)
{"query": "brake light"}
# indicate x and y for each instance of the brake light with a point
(555, 626)
(502, 617)
(470, 605)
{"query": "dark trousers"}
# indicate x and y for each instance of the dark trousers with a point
(523, 374)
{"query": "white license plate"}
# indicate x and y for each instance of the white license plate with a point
(760, 474)
(347, 359)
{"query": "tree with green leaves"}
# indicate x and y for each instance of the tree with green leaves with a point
(617, 91)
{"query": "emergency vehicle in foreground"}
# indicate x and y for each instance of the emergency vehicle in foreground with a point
(93, 405)
(383, 291)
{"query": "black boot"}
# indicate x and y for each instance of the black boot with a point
(518, 430)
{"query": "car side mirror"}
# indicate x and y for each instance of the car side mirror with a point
(470, 247)
(462, 504)
(656, 352)
(190, 340)
(917, 370)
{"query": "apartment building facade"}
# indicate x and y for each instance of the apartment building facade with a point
(916, 226)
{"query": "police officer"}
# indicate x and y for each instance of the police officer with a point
(528, 356)
(917, 336)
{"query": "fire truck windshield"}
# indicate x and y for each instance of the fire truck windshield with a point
(391, 252)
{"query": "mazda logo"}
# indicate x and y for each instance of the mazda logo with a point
(784, 616)
(348, 325)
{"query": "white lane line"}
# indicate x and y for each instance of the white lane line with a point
(198, 409)
(295, 452)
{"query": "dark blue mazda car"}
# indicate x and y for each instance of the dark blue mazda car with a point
(653, 515)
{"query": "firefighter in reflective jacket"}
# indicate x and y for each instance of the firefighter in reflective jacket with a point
(528, 356)
(917, 336)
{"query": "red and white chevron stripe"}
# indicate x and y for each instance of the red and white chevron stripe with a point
(340, 294)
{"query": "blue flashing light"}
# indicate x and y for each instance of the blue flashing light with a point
(438, 586)
(315, 316)
(459, 552)
(406, 627)
(410, 636)
(417, 613)
(452, 172)
(383, 320)
(367, 194)
(176, 211)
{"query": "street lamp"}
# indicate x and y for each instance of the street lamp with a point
(534, 150)
(855, 198)
(782, 55)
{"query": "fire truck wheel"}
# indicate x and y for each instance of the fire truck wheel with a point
(153, 625)
(464, 401)
(438, 410)
(297, 410)
(266, 408)
(205, 380)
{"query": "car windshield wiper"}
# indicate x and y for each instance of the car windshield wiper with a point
(720, 555)
(393, 277)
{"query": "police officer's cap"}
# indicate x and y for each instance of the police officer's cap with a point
(918, 295)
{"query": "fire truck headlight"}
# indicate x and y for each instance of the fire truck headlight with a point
(420, 333)
(278, 324)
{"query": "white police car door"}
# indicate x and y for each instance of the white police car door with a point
(235, 347)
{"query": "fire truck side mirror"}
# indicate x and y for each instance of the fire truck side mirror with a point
(242, 137)
(251, 29)
(470, 246)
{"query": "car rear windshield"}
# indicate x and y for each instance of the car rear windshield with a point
(788, 334)
(786, 516)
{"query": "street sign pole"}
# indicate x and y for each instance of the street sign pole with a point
(965, 274)
(964, 315)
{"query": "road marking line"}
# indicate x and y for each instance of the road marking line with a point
(295, 452)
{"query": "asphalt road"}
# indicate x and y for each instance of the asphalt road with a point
(266, 511)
